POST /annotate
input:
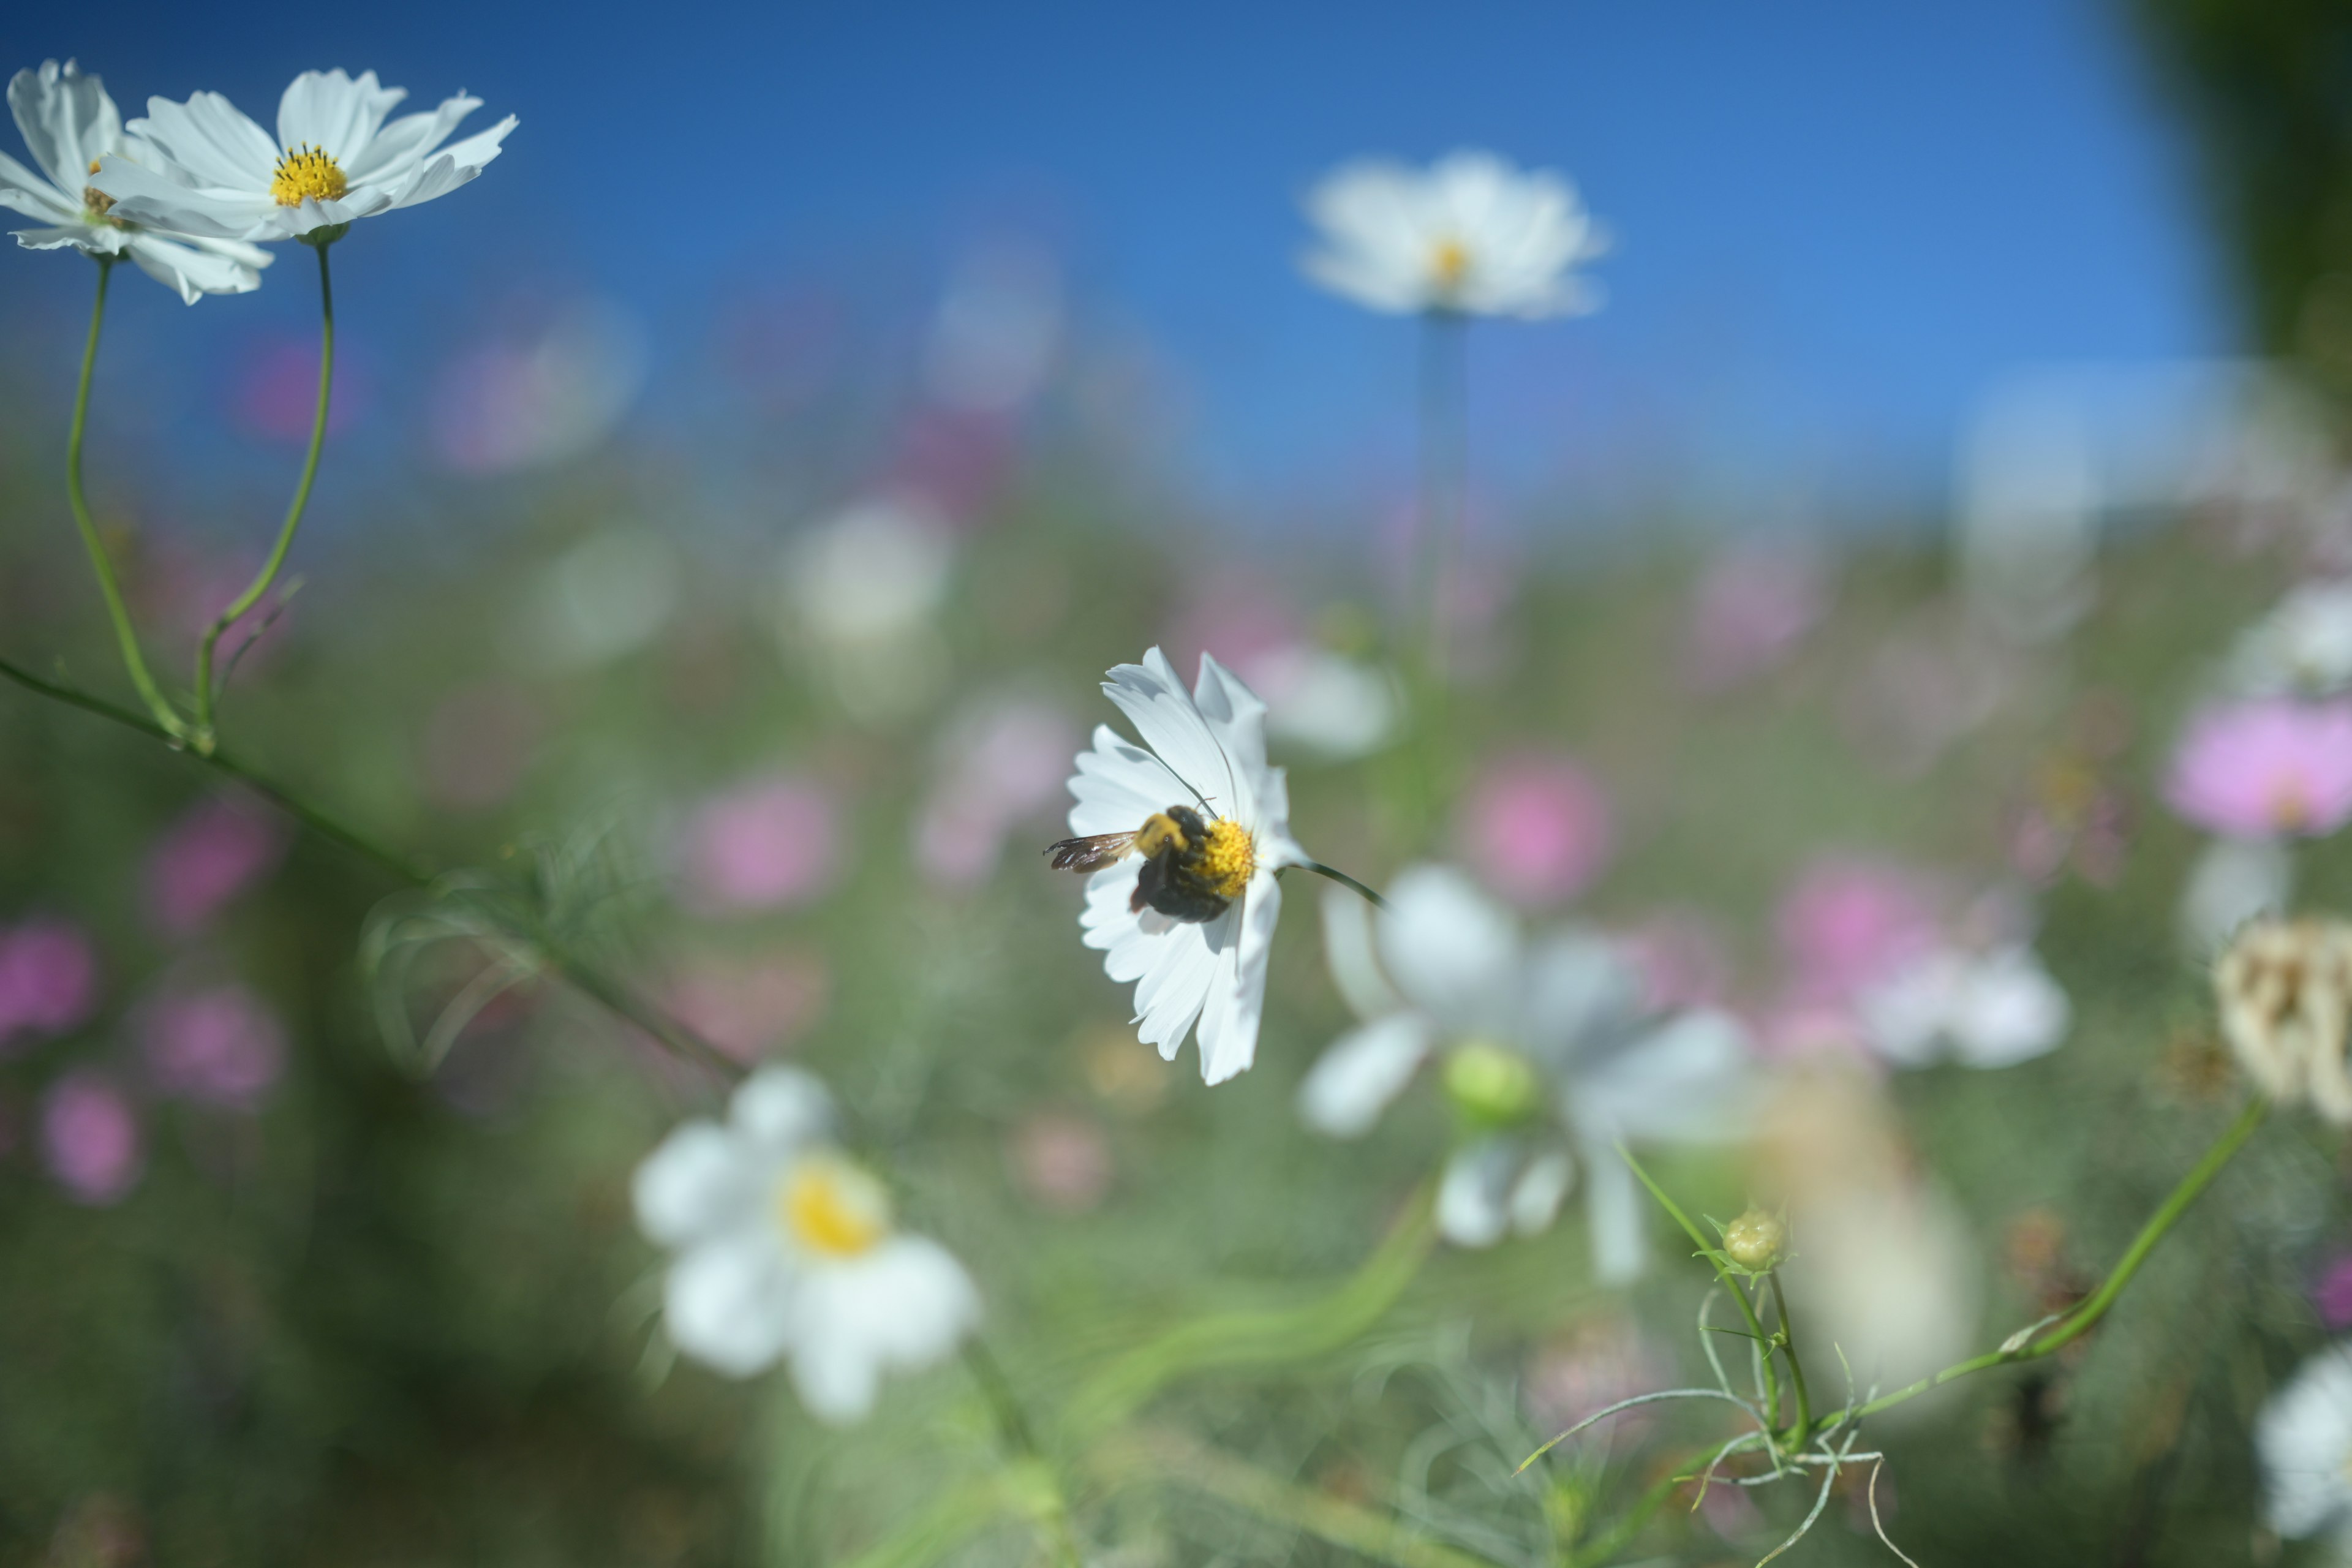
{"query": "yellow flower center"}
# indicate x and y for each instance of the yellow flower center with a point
(2290, 806)
(307, 174)
(1492, 1084)
(1228, 858)
(831, 1208)
(1449, 264)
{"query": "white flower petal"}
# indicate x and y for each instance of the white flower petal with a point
(1536, 1197)
(730, 1301)
(329, 110)
(699, 1182)
(1361, 1073)
(147, 198)
(2303, 1440)
(21, 190)
(1685, 1077)
(216, 145)
(901, 1307)
(1349, 946)
(1453, 951)
(1164, 716)
(1474, 1193)
(1614, 1213)
(782, 1109)
(194, 270)
(67, 119)
(1118, 784)
(2013, 1011)
(404, 144)
(1242, 938)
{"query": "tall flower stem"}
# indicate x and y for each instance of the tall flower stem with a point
(109, 587)
(1345, 881)
(1786, 1337)
(203, 738)
(598, 987)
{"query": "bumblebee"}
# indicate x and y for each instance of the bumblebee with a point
(1194, 868)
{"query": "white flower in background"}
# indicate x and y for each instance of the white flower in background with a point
(2301, 649)
(1326, 703)
(1987, 1009)
(2233, 881)
(859, 593)
(334, 160)
(1189, 831)
(2303, 1439)
(69, 125)
(2284, 991)
(786, 1250)
(1470, 235)
(1548, 1049)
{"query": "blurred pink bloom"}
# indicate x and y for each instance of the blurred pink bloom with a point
(477, 744)
(1795, 1031)
(48, 979)
(1536, 829)
(1063, 1162)
(752, 1009)
(1848, 923)
(1235, 614)
(2256, 770)
(2333, 1295)
(184, 589)
(1599, 1361)
(278, 392)
(1748, 612)
(211, 854)
(89, 1138)
(1680, 959)
(221, 1046)
(764, 846)
(1001, 764)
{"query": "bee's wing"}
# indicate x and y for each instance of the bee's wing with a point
(1084, 855)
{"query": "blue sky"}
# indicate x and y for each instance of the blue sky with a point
(1837, 223)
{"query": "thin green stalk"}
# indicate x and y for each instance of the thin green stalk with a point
(2081, 1319)
(1444, 470)
(1788, 1342)
(109, 587)
(1747, 1307)
(598, 988)
(206, 695)
(1345, 881)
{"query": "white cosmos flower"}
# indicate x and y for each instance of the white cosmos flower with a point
(1471, 233)
(1548, 1051)
(334, 160)
(1205, 751)
(785, 1249)
(2304, 648)
(70, 125)
(1981, 1009)
(2303, 1440)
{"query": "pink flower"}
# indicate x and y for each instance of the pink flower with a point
(2333, 1295)
(48, 979)
(1847, 923)
(766, 846)
(1005, 763)
(753, 1009)
(1748, 612)
(1680, 956)
(1536, 829)
(221, 1046)
(1063, 1162)
(206, 859)
(89, 1139)
(2260, 769)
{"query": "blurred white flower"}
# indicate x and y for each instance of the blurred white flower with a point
(1549, 1050)
(998, 328)
(786, 1250)
(1987, 1009)
(1000, 762)
(541, 399)
(1326, 702)
(859, 593)
(2301, 649)
(1470, 235)
(1195, 936)
(333, 161)
(2303, 1438)
(2233, 881)
(2283, 990)
(70, 125)
(605, 596)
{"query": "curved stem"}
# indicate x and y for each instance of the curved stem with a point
(244, 602)
(2081, 1319)
(1788, 1338)
(1747, 1307)
(597, 987)
(108, 585)
(1345, 881)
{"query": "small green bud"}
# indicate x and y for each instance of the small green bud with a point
(1755, 1239)
(1491, 1085)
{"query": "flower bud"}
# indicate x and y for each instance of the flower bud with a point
(1491, 1085)
(2283, 992)
(1755, 1239)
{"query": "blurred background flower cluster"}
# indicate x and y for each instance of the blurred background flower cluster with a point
(1911, 622)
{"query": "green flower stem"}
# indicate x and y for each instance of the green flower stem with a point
(1786, 1339)
(1345, 881)
(583, 978)
(1708, 1252)
(203, 738)
(1444, 474)
(134, 661)
(1279, 1336)
(2082, 1318)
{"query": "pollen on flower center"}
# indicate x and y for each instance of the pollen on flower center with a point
(832, 1209)
(307, 174)
(1450, 263)
(1228, 858)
